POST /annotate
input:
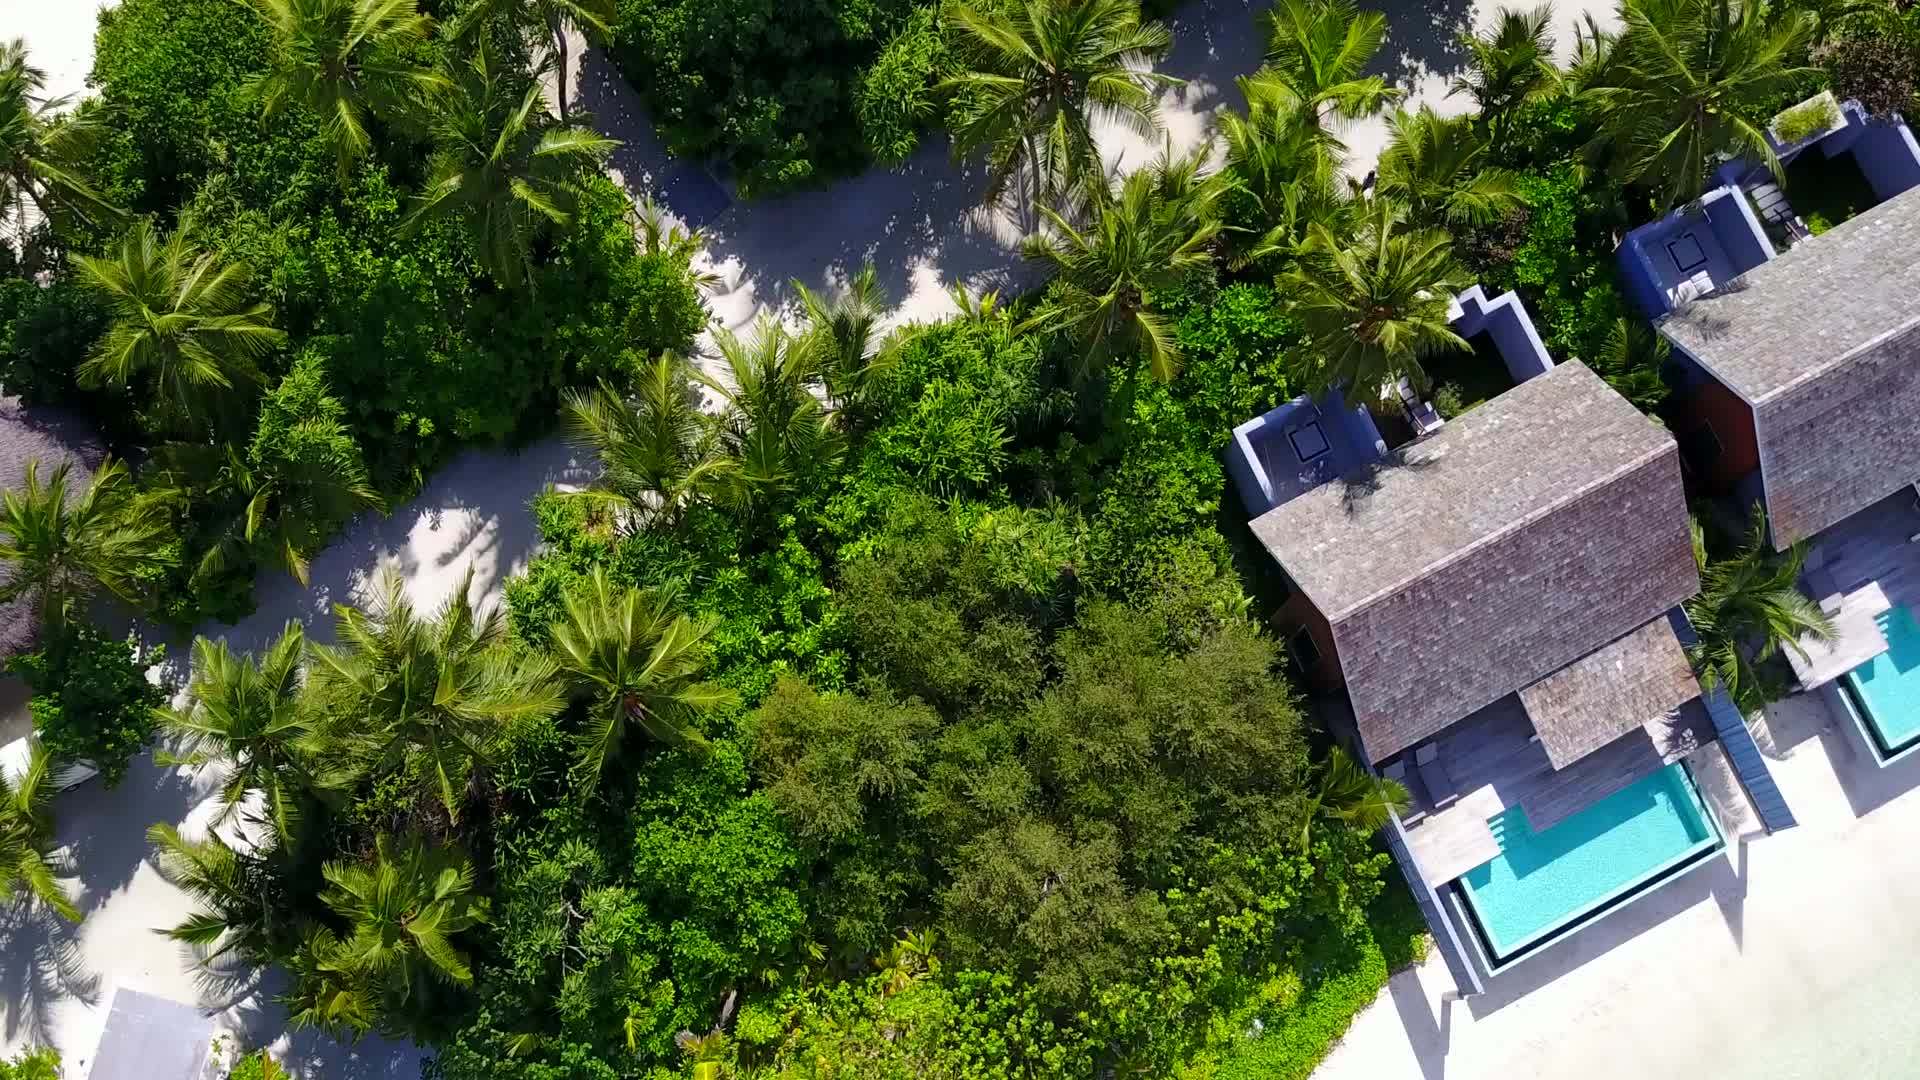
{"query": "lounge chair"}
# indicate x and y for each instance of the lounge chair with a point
(1433, 776)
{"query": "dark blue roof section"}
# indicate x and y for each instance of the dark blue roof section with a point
(151, 1038)
(1299, 446)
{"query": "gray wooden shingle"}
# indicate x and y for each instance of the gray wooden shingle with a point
(1522, 536)
(1642, 677)
(1824, 343)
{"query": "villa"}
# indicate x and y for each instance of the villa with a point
(1804, 385)
(1856, 162)
(1492, 613)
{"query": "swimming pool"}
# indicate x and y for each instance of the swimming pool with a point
(1886, 689)
(1543, 882)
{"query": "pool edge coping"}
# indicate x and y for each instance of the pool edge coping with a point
(1847, 689)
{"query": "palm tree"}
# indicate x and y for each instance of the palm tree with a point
(1630, 361)
(346, 61)
(1691, 80)
(1290, 170)
(402, 912)
(276, 506)
(636, 659)
(1374, 303)
(27, 866)
(1350, 794)
(1748, 609)
(1142, 240)
(1435, 167)
(38, 148)
(432, 694)
(1037, 75)
(249, 717)
(1509, 66)
(660, 235)
(1317, 55)
(240, 906)
(773, 429)
(659, 454)
(845, 333)
(502, 165)
(591, 19)
(60, 547)
(182, 317)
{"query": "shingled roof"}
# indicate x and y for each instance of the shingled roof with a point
(1824, 343)
(1630, 683)
(1522, 536)
(50, 436)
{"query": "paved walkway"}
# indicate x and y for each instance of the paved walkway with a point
(1792, 959)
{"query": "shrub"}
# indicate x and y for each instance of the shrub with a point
(1882, 72)
(1805, 120)
(896, 96)
(765, 87)
(42, 1064)
(44, 332)
(91, 698)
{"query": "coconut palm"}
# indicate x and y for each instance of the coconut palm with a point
(1436, 167)
(660, 235)
(277, 507)
(27, 864)
(1317, 56)
(502, 165)
(240, 906)
(844, 332)
(249, 718)
(637, 661)
(659, 454)
(1508, 66)
(432, 694)
(38, 148)
(591, 19)
(59, 546)
(1141, 240)
(1689, 81)
(1038, 74)
(1349, 794)
(773, 429)
(1290, 171)
(1630, 361)
(403, 912)
(183, 324)
(1373, 303)
(1748, 609)
(347, 61)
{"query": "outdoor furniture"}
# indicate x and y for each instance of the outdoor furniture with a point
(1420, 414)
(1433, 776)
(1695, 287)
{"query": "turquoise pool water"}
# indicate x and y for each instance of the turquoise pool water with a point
(1887, 687)
(1542, 881)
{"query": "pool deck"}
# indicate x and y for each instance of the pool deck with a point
(1494, 761)
(1791, 958)
(1856, 570)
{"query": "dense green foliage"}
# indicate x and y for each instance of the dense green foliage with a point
(31, 1065)
(773, 91)
(91, 698)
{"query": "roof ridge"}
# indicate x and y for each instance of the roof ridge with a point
(1512, 526)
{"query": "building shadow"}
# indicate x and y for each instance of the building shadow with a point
(104, 830)
(1867, 784)
(1428, 1038)
(1716, 880)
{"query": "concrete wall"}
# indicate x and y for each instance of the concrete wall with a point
(1712, 406)
(1737, 228)
(1888, 157)
(1504, 319)
(1351, 435)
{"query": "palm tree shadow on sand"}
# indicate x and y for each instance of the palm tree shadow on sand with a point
(40, 969)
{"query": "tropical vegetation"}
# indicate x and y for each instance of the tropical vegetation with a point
(892, 700)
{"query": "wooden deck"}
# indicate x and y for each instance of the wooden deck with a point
(1493, 760)
(1857, 570)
